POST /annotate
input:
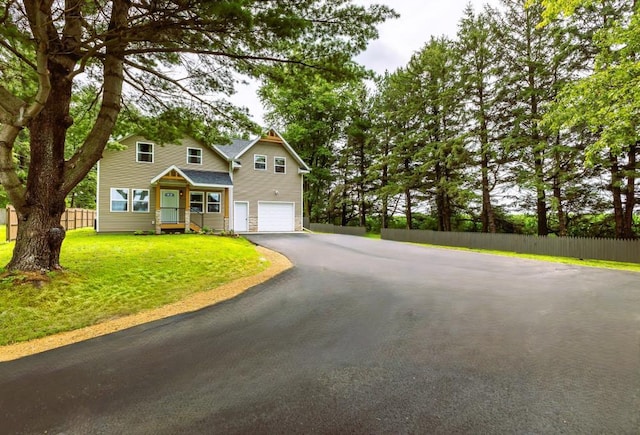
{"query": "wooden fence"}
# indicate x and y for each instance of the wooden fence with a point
(71, 219)
(577, 247)
(337, 229)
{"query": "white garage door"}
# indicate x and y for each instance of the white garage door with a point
(276, 216)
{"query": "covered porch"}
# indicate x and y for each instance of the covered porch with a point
(190, 200)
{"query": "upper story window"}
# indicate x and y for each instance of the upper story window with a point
(259, 162)
(280, 165)
(144, 152)
(194, 156)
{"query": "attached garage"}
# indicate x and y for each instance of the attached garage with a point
(276, 216)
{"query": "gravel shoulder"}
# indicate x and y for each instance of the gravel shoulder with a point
(278, 264)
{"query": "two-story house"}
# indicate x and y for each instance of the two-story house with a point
(247, 186)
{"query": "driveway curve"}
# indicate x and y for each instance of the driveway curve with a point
(361, 336)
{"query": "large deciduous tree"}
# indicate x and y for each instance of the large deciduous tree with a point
(156, 53)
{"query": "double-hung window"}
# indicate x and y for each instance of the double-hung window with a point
(140, 200)
(280, 165)
(197, 202)
(194, 156)
(259, 162)
(213, 202)
(144, 152)
(119, 199)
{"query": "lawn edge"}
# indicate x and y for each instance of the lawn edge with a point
(278, 263)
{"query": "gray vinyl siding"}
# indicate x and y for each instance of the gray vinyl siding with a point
(254, 185)
(119, 169)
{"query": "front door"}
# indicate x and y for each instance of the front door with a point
(169, 206)
(240, 216)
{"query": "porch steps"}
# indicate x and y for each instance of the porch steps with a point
(195, 227)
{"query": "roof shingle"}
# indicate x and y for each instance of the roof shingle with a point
(233, 149)
(208, 178)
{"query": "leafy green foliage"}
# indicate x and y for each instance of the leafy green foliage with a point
(314, 112)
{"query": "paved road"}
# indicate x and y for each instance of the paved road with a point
(362, 336)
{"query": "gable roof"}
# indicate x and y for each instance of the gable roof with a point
(198, 178)
(207, 178)
(240, 146)
(233, 149)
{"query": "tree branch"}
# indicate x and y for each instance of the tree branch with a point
(10, 106)
(19, 55)
(91, 150)
(8, 177)
(44, 87)
(218, 53)
(176, 83)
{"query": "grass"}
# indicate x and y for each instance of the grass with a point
(632, 267)
(109, 276)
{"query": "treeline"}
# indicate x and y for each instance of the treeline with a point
(508, 126)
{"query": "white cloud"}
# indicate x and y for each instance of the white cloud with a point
(419, 21)
(399, 39)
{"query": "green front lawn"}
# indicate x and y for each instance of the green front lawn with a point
(109, 276)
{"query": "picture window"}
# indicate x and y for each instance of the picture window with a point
(119, 200)
(140, 201)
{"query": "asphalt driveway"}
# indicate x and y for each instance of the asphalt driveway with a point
(362, 336)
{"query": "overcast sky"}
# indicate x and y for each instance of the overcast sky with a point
(399, 38)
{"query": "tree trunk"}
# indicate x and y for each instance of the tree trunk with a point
(541, 197)
(446, 203)
(439, 197)
(616, 191)
(407, 212)
(385, 198)
(305, 199)
(41, 201)
(630, 193)
(488, 217)
(384, 181)
(557, 193)
(344, 196)
(362, 206)
(39, 241)
(40, 234)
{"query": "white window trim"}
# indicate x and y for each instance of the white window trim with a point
(153, 148)
(266, 165)
(111, 200)
(188, 155)
(204, 201)
(148, 201)
(218, 202)
(284, 165)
